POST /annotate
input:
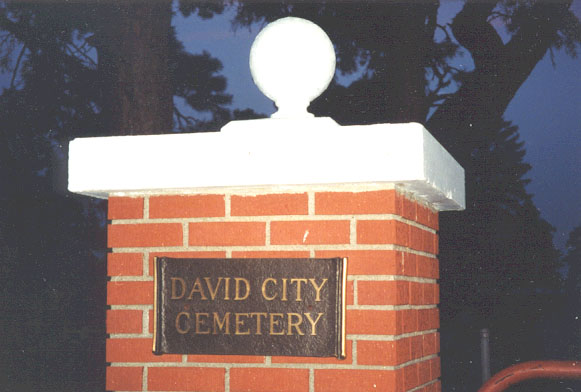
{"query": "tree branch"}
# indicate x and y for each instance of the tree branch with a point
(82, 54)
(17, 66)
(472, 30)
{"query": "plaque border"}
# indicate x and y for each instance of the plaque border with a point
(155, 304)
(341, 335)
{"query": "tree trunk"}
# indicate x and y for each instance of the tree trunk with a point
(500, 69)
(132, 45)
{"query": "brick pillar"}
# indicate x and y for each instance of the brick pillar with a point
(392, 293)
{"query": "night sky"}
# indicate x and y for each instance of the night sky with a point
(547, 109)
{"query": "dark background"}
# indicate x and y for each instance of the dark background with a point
(478, 75)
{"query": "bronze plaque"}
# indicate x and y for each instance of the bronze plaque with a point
(250, 307)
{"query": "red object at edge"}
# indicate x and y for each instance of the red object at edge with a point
(531, 370)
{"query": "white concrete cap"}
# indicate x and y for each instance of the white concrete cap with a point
(292, 61)
(271, 155)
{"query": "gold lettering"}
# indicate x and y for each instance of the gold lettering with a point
(197, 288)
(246, 283)
(173, 288)
(178, 327)
(313, 323)
(296, 324)
(284, 289)
(213, 290)
(199, 323)
(318, 288)
(223, 324)
(227, 289)
(275, 323)
(240, 323)
(266, 297)
(299, 282)
(258, 319)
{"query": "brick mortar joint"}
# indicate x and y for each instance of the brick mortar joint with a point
(317, 247)
(390, 338)
(420, 387)
(391, 278)
(281, 218)
(351, 337)
(131, 278)
(392, 307)
(239, 365)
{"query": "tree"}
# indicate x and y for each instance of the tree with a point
(133, 46)
(67, 67)
(498, 263)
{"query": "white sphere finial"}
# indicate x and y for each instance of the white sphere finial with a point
(292, 62)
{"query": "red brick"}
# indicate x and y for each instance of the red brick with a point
(417, 346)
(410, 376)
(190, 206)
(409, 209)
(124, 321)
(347, 203)
(182, 255)
(349, 380)
(331, 361)
(427, 267)
(422, 215)
(433, 220)
(387, 292)
(374, 322)
(430, 297)
(271, 379)
(430, 344)
(404, 350)
(125, 208)
(185, 379)
(151, 321)
(350, 292)
(429, 242)
(309, 232)
(437, 387)
(274, 204)
(382, 232)
(124, 264)
(416, 238)
(424, 372)
(435, 370)
(383, 353)
(143, 235)
(428, 319)
(416, 293)
(226, 358)
(409, 320)
(130, 293)
(227, 233)
(410, 264)
(259, 254)
(124, 378)
(135, 350)
(369, 262)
